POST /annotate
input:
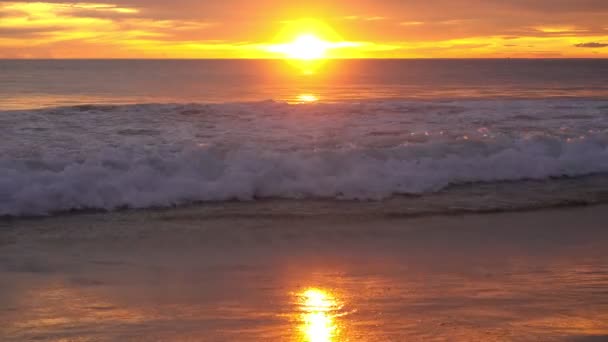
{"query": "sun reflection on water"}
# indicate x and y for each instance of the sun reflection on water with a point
(319, 315)
(307, 98)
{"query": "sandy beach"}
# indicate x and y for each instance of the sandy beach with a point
(188, 275)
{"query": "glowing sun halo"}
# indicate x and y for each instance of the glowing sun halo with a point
(304, 47)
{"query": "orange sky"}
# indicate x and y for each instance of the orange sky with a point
(359, 28)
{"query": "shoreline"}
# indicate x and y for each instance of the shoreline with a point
(455, 199)
(136, 277)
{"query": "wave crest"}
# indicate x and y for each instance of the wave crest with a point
(124, 178)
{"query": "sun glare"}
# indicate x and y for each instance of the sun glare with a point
(305, 47)
(307, 98)
(309, 41)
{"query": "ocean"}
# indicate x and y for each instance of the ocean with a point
(419, 136)
(364, 200)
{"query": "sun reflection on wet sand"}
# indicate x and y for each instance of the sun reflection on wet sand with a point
(319, 316)
(394, 288)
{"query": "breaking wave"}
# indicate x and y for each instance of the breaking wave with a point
(138, 161)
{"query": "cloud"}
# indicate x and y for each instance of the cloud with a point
(375, 18)
(86, 21)
(559, 29)
(591, 45)
(27, 31)
(364, 18)
(391, 28)
(101, 13)
(411, 23)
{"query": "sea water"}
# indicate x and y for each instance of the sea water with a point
(446, 134)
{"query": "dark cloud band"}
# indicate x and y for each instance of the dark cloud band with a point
(591, 45)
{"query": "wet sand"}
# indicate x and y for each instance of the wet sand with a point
(178, 275)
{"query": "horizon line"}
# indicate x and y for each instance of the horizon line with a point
(286, 59)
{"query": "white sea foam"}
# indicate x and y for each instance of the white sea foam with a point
(164, 155)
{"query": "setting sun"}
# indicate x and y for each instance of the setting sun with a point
(304, 47)
(309, 40)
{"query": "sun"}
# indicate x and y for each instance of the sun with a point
(308, 41)
(305, 47)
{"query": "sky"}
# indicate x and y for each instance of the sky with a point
(351, 28)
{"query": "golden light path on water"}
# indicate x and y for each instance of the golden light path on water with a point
(307, 98)
(319, 316)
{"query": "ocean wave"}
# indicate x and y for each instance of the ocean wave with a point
(118, 179)
(140, 156)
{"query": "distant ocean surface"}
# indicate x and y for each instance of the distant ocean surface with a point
(403, 137)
